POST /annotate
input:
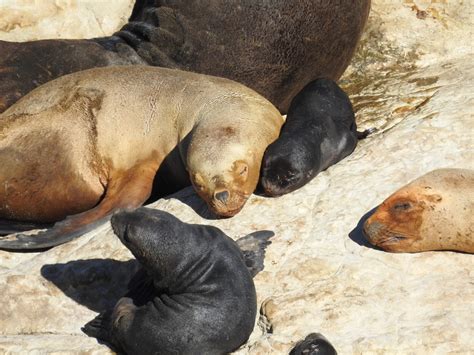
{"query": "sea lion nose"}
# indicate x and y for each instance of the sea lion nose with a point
(372, 229)
(222, 196)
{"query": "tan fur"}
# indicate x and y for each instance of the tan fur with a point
(98, 137)
(434, 212)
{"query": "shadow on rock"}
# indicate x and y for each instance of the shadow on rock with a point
(95, 283)
(357, 234)
(189, 197)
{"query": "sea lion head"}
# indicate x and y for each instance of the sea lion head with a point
(226, 148)
(224, 163)
(396, 225)
(150, 235)
(227, 184)
(286, 167)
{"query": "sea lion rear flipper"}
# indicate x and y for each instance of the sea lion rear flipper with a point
(130, 190)
(253, 248)
(9, 227)
(49, 238)
(364, 134)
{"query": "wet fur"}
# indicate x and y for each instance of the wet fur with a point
(313, 344)
(194, 294)
(319, 131)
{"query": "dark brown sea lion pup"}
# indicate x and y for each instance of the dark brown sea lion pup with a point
(90, 142)
(433, 212)
(194, 294)
(274, 47)
(319, 131)
(313, 344)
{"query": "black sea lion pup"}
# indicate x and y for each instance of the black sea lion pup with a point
(313, 344)
(194, 294)
(319, 131)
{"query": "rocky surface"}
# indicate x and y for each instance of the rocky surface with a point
(413, 79)
(26, 20)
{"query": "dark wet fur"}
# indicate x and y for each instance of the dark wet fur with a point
(319, 131)
(313, 344)
(194, 295)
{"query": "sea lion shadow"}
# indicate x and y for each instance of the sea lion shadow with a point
(357, 234)
(190, 198)
(95, 283)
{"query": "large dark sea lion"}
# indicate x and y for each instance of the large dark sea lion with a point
(319, 131)
(90, 142)
(275, 47)
(433, 212)
(194, 294)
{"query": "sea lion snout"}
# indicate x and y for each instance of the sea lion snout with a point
(279, 177)
(373, 230)
(120, 222)
(222, 196)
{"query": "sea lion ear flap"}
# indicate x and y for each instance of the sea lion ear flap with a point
(253, 248)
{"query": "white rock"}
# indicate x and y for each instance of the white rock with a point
(413, 78)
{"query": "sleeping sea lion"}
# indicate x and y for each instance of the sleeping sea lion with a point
(433, 212)
(90, 142)
(319, 131)
(274, 47)
(194, 294)
(313, 344)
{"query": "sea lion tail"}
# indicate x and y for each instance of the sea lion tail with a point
(253, 248)
(99, 327)
(60, 233)
(366, 133)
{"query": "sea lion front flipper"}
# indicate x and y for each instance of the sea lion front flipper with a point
(99, 326)
(253, 248)
(128, 190)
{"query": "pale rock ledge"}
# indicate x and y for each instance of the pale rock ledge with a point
(413, 79)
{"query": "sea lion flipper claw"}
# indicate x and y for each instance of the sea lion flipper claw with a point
(253, 248)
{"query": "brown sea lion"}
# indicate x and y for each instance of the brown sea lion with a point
(90, 142)
(434, 212)
(274, 47)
